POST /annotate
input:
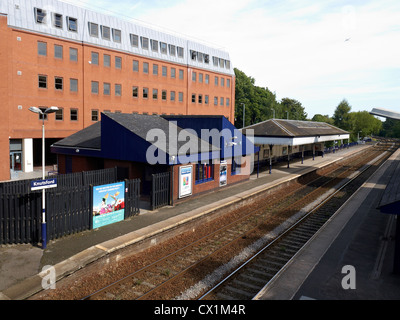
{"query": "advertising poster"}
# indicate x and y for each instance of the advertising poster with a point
(108, 204)
(223, 168)
(185, 181)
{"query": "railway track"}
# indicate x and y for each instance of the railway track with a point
(167, 277)
(253, 275)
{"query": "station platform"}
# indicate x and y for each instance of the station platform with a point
(351, 257)
(20, 264)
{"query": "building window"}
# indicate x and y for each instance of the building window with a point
(216, 81)
(72, 24)
(173, 73)
(200, 78)
(200, 98)
(163, 48)
(95, 115)
(74, 114)
(206, 99)
(144, 43)
(194, 76)
(57, 20)
(145, 67)
(154, 45)
(60, 114)
(155, 93)
(172, 95)
(73, 85)
(222, 82)
(155, 69)
(193, 98)
(40, 15)
(135, 66)
(105, 32)
(118, 90)
(42, 81)
(228, 83)
(95, 87)
(222, 102)
(207, 79)
(43, 116)
(215, 101)
(204, 172)
(42, 48)
(164, 71)
(134, 40)
(181, 74)
(106, 89)
(116, 35)
(172, 50)
(58, 51)
(93, 29)
(180, 52)
(73, 54)
(145, 93)
(95, 58)
(135, 92)
(58, 83)
(164, 95)
(106, 60)
(180, 96)
(118, 62)
(227, 102)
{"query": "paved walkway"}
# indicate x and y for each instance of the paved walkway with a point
(20, 264)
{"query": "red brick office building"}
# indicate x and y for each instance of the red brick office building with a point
(83, 62)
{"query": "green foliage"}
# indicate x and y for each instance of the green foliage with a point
(341, 118)
(260, 103)
(390, 128)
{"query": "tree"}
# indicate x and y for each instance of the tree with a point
(364, 123)
(258, 101)
(293, 109)
(322, 118)
(341, 116)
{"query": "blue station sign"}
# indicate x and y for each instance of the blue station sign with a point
(43, 184)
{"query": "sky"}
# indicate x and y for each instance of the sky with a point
(317, 52)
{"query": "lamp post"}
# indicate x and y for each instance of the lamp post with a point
(44, 227)
(244, 111)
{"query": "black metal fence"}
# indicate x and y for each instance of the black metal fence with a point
(68, 207)
(161, 185)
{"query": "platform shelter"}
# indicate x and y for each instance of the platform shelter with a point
(278, 138)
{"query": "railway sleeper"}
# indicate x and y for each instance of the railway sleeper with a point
(302, 235)
(294, 242)
(239, 292)
(246, 284)
(254, 279)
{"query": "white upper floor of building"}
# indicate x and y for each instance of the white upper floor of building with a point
(67, 21)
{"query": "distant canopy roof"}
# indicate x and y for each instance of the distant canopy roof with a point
(294, 132)
(385, 113)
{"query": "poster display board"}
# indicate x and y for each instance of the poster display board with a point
(185, 181)
(223, 168)
(108, 204)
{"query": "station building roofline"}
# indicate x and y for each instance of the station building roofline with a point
(294, 132)
(293, 128)
(126, 137)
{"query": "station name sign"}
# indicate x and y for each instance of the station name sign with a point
(43, 184)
